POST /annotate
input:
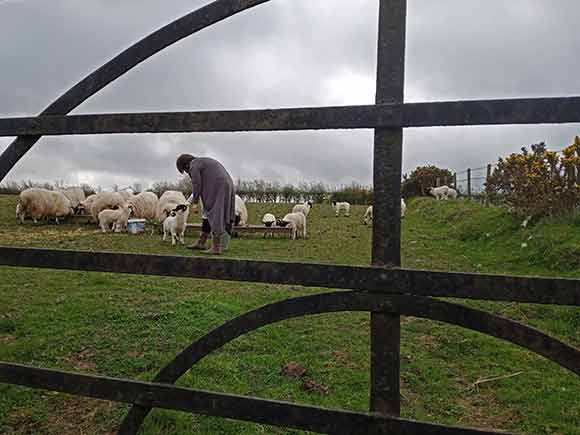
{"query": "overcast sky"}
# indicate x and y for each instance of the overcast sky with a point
(285, 53)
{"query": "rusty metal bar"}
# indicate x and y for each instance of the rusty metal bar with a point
(477, 320)
(558, 291)
(244, 408)
(455, 113)
(385, 329)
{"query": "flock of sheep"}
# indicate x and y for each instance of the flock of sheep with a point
(112, 210)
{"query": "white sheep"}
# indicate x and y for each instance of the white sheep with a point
(341, 206)
(241, 213)
(144, 205)
(175, 224)
(168, 201)
(451, 193)
(296, 221)
(126, 194)
(368, 216)
(85, 206)
(42, 203)
(442, 192)
(304, 208)
(269, 220)
(106, 200)
(76, 195)
(114, 219)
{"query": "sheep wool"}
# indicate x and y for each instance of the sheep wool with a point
(105, 200)
(167, 202)
(144, 205)
(241, 213)
(296, 221)
(341, 206)
(304, 208)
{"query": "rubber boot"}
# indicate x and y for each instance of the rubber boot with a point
(216, 244)
(226, 240)
(200, 244)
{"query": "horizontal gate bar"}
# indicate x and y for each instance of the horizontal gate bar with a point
(222, 405)
(559, 291)
(483, 112)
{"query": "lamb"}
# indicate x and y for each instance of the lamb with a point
(144, 205)
(269, 219)
(296, 221)
(76, 195)
(175, 224)
(442, 192)
(341, 206)
(368, 216)
(42, 203)
(114, 219)
(105, 200)
(167, 203)
(241, 212)
(451, 193)
(304, 208)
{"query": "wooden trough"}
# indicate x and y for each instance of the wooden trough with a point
(243, 229)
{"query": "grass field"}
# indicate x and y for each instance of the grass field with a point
(130, 326)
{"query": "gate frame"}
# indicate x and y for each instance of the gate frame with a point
(380, 289)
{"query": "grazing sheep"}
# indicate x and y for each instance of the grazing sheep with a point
(368, 216)
(341, 206)
(296, 221)
(441, 192)
(144, 205)
(304, 208)
(114, 219)
(76, 195)
(241, 212)
(175, 224)
(85, 206)
(451, 193)
(42, 203)
(168, 201)
(105, 200)
(126, 194)
(269, 219)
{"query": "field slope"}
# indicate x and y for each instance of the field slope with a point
(130, 326)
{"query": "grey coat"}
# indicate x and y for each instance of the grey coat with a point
(212, 183)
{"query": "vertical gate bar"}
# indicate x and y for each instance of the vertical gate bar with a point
(387, 168)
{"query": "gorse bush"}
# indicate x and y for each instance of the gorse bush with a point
(538, 182)
(423, 177)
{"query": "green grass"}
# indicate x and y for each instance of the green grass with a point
(130, 326)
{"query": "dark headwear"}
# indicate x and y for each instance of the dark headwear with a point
(183, 161)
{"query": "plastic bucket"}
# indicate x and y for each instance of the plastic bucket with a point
(135, 226)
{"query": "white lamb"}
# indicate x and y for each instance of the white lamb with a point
(296, 221)
(442, 192)
(106, 200)
(168, 201)
(114, 219)
(341, 206)
(304, 208)
(368, 216)
(144, 205)
(269, 220)
(241, 212)
(175, 224)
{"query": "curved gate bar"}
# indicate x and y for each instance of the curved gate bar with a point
(119, 65)
(470, 318)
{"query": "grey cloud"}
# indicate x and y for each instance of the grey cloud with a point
(282, 54)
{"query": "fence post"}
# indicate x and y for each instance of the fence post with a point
(455, 180)
(438, 182)
(385, 333)
(469, 183)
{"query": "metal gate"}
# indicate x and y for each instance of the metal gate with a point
(385, 289)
